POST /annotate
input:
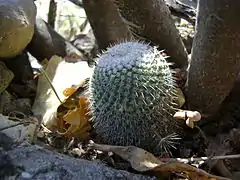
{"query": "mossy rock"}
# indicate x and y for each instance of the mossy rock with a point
(17, 19)
(6, 76)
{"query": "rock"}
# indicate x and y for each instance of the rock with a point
(187, 32)
(17, 26)
(23, 84)
(86, 43)
(27, 161)
(6, 76)
(46, 43)
(7, 169)
(189, 3)
(181, 9)
(9, 103)
(15, 131)
(23, 105)
(21, 67)
(6, 142)
(37, 163)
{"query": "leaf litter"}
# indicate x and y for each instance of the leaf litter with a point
(62, 107)
(62, 75)
(144, 161)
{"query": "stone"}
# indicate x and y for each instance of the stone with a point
(41, 164)
(17, 26)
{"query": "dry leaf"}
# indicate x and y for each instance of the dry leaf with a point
(144, 161)
(72, 115)
(63, 75)
(76, 122)
(69, 91)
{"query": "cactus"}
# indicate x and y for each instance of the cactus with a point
(131, 97)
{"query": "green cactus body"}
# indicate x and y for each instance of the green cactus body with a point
(131, 95)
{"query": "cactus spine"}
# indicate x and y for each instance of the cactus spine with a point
(131, 96)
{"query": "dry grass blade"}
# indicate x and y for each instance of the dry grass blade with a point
(50, 83)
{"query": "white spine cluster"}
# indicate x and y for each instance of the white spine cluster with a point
(131, 95)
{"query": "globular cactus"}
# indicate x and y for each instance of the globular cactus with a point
(131, 97)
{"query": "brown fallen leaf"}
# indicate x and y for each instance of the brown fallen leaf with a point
(72, 114)
(59, 74)
(144, 161)
(76, 122)
(70, 91)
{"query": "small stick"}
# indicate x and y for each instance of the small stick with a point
(13, 125)
(187, 160)
(50, 83)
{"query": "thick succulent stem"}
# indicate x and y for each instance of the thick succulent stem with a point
(131, 95)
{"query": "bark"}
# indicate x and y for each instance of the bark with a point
(46, 42)
(108, 27)
(215, 58)
(228, 114)
(152, 20)
(52, 13)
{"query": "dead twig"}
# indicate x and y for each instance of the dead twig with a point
(189, 160)
(50, 83)
(11, 126)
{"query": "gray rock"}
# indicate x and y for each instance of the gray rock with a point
(34, 162)
(8, 104)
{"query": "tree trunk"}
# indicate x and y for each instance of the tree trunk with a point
(106, 22)
(46, 42)
(52, 13)
(151, 19)
(215, 58)
(228, 114)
